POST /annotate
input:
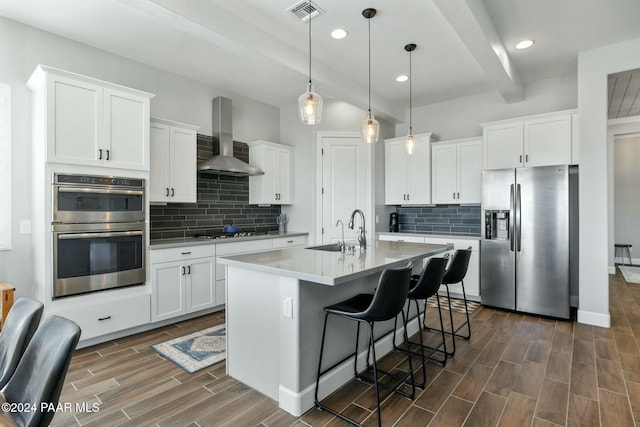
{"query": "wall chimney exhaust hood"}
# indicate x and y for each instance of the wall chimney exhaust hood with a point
(225, 163)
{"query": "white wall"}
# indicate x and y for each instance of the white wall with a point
(593, 68)
(177, 98)
(626, 190)
(461, 117)
(336, 117)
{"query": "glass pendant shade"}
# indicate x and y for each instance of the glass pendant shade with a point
(369, 129)
(410, 144)
(310, 107)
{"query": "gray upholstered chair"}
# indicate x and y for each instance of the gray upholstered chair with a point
(19, 327)
(41, 372)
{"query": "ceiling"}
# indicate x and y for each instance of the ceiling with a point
(257, 49)
(624, 94)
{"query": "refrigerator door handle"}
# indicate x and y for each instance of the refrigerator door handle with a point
(518, 219)
(512, 218)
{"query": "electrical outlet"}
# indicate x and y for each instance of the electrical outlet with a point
(287, 307)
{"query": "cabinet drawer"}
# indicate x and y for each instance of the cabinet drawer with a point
(244, 247)
(107, 317)
(181, 253)
(396, 238)
(283, 242)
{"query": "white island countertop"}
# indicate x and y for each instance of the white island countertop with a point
(334, 268)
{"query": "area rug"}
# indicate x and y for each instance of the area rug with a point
(456, 304)
(197, 350)
(630, 274)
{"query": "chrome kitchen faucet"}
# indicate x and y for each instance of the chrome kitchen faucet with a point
(362, 240)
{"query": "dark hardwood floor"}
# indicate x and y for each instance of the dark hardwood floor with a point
(517, 370)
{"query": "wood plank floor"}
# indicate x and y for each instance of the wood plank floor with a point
(517, 370)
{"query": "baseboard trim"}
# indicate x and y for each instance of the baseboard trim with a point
(297, 403)
(595, 319)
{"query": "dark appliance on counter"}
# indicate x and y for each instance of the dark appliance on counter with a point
(528, 253)
(98, 233)
(394, 222)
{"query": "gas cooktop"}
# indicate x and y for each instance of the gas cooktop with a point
(228, 236)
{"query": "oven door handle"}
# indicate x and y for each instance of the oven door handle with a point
(93, 235)
(99, 191)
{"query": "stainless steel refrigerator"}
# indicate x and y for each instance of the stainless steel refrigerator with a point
(528, 253)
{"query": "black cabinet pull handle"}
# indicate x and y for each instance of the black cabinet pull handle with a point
(520, 159)
(107, 154)
(183, 270)
(186, 253)
(289, 241)
(526, 158)
(104, 318)
(188, 269)
(408, 196)
(173, 191)
(167, 191)
(458, 196)
(99, 153)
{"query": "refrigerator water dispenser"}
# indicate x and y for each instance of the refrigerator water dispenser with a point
(496, 224)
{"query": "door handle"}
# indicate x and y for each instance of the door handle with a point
(520, 158)
(458, 196)
(511, 218)
(188, 269)
(99, 153)
(183, 270)
(518, 219)
(167, 191)
(526, 158)
(408, 196)
(173, 192)
(107, 154)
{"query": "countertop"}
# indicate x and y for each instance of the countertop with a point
(333, 268)
(194, 241)
(435, 236)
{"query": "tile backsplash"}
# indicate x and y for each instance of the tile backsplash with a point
(440, 219)
(221, 200)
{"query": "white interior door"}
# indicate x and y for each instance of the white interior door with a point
(344, 184)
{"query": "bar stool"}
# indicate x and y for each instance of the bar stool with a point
(624, 247)
(423, 287)
(455, 274)
(387, 302)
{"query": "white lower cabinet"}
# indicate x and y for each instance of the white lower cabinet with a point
(182, 281)
(471, 280)
(188, 279)
(108, 316)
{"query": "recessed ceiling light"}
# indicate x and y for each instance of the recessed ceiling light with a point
(402, 78)
(339, 34)
(524, 44)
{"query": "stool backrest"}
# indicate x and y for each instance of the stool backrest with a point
(391, 294)
(458, 268)
(19, 326)
(430, 279)
(41, 372)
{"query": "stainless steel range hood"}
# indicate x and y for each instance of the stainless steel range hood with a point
(225, 163)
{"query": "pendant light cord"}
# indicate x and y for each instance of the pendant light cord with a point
(410, 96)
(309, 42)
(369, 21)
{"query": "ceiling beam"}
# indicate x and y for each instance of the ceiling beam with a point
(472, 23)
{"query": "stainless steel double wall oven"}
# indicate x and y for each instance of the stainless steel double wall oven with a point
(98, 233)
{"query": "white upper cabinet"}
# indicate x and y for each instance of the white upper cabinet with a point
(456, 171)
(408, 177)
(275, 187)
(173, 175)
(90, 122)
(541, 140)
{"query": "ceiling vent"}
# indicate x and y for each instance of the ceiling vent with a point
(302, 10)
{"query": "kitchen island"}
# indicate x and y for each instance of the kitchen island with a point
(274, 303)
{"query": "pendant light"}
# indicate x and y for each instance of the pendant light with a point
(369, 128)
(409, 142)
(310, 103)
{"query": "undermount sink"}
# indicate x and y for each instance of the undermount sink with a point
(333, 247)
